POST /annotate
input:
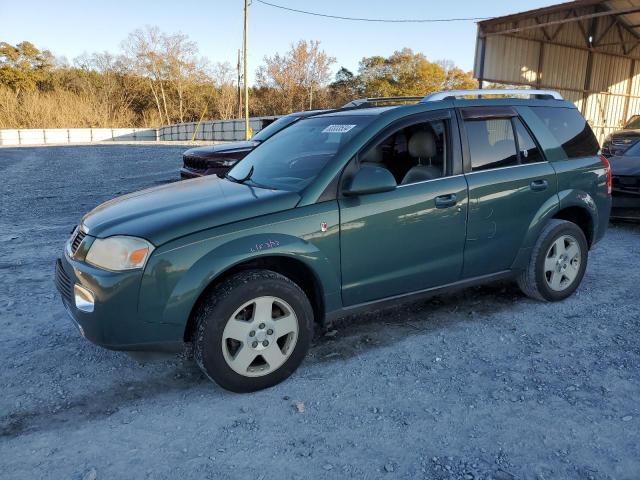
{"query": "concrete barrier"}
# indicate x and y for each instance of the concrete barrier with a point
(220, 130)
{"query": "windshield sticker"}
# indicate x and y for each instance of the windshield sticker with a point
(338, 128)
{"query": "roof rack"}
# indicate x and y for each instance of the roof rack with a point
(370, 102)
(434, 97)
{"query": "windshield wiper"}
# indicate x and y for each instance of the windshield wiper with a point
(246, 178)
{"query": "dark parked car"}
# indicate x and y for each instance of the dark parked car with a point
(626, 184)
(618, 142)
(218, 159)
(338, 213)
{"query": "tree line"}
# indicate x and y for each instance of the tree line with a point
(158, 79)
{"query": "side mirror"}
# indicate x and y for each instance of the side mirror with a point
(370, 179)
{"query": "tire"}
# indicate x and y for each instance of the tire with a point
(548, 275)
(239, 343)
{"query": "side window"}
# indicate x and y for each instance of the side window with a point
(491, 143)
(529, 151)
(570, 129)
(415, 153)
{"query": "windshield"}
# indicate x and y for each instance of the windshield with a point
(273, 128)
(291, 159)
(633, 124)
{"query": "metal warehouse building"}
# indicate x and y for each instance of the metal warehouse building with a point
(587, 50)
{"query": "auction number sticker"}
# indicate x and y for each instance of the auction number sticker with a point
(338, 128)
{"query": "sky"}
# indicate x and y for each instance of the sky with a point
(71, 28)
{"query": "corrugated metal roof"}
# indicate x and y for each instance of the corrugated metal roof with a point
(616, 32)
(589, 50)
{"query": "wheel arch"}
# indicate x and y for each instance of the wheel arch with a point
(582, 218)
(293, 268)
(576, 206)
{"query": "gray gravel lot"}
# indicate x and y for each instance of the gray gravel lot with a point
(481, 384)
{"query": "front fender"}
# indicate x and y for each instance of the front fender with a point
(233, 253)
(176, 277)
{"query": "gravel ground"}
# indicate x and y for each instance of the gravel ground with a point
(481, 384)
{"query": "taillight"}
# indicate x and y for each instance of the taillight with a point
(607, 167)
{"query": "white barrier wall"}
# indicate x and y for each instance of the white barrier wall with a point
(222, 130)
(46, 136)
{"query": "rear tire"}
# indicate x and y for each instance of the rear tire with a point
(558, 262)
(253, 331)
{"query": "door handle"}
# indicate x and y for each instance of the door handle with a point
(446, 201)
(539, 185)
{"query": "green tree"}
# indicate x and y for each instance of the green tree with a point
(406, 73)
(345, 88)
(23, 67)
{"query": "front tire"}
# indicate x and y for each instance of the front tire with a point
(558, 262)
(253, 331)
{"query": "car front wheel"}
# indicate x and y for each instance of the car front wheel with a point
(253, 330)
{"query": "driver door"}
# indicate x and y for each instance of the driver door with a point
(412, 237)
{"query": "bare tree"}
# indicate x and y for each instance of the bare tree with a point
(223, 78)
(144, 48)
(296, 75)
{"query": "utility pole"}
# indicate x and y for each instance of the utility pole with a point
(246, 77)
(239, 88)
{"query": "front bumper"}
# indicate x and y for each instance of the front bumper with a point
(114, 323)
(626, 205)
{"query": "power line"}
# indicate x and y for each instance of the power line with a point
(380, 20)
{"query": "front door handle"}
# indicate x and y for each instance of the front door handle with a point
(446, 201)
(539, 185)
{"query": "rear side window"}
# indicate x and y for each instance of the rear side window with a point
(491, 143)
(529, 151)
(570, 129)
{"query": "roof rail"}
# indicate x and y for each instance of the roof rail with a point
(367, 102)
(434, 97)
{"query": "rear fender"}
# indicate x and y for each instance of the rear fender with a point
(564, 199)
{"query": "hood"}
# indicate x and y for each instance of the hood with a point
(211, 151)
(627, 165)
(623, 134)
(163, 213)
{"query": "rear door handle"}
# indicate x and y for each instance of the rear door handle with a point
(539, 185)
(446, 201)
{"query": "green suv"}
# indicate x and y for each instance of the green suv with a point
(342, 212)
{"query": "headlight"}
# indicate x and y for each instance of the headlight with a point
(119, 253)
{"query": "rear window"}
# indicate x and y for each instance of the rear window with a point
(570, 129)
(491, 143)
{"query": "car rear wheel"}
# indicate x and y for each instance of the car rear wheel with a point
(253, 331)
(558, 262)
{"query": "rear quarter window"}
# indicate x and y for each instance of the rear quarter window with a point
(570, 129)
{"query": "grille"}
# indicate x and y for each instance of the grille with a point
(63, 282)
(195, 163)
(76, 239)
(631, 184)
(623, 141)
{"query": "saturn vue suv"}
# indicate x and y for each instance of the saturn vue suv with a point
(339, 213)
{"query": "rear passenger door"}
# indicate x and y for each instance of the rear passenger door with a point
(509, 182)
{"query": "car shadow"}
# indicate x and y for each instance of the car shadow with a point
(352, 335)
(346, 338)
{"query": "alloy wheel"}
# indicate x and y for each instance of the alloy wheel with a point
(562, 263)
(260, 336)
